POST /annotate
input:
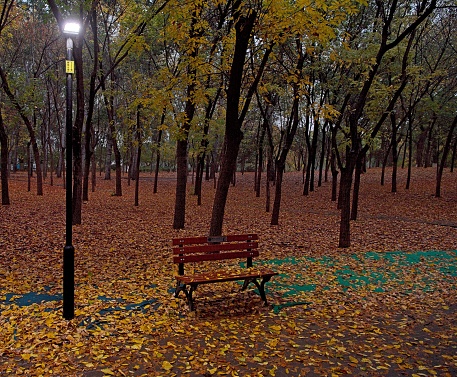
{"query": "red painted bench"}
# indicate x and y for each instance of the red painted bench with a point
(216, 249)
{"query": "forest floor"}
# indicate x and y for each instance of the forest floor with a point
(386, 306)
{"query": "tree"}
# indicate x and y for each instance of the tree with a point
(289, 132)
(195, 32)
(9, 12)
(244, 24)
(355, 149)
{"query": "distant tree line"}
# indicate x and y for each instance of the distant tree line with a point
(212, 87)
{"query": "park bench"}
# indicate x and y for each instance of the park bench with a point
(218, 249)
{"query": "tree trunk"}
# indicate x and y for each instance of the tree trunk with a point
(268, 189)
(428, 150)
(258, 178)
(109, 105)
(4, 162)
(88, 160)
(93, 163)
(289, 134)
(307, 165)
(181, 145)
(410, 154)
(355, 195)
(420, 147)
(29, 168)
(138, 156)
(312, 154)
(109, 154)
(204, 146)
(233, 121)
(225, 178)
(157, 168)
(454, 150)
(91, 105)
(278, 193)
(181, 161)
(77, 136)
(384, 164)
(394, 152)
(345, 200)
(322, 157)
(447, 147)
(117, 160)
(333, 166)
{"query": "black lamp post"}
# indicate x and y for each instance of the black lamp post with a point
(70, 30)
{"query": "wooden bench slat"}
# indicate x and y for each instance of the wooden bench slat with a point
(189, 240)
(203, 240)
(224, 276)
(186, 258)
(215, 248)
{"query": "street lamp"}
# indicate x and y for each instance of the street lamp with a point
(70, 30)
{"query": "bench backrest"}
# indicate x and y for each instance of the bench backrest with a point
(200, 249)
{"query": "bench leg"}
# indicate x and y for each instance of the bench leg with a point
(260, 286)
(179, 287)
(187, 291)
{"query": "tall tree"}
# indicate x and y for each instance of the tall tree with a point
(244, 24)
(390, 37)
(195, 32)
(289, 132)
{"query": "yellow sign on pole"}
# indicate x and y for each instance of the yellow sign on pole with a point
(69, 66)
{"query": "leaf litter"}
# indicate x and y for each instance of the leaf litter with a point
(385, 306)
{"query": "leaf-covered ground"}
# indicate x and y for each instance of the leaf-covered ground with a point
(384, 307)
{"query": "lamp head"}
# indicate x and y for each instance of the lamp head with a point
(71, 28)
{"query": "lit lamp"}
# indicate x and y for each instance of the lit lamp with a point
(70, 30)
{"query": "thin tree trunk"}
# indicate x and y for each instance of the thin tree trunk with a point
(394, 152)
(384, 163)
(268, 190)
(29, 168)
(289, 134)
(345, 200)
(204, 146)
(454, 150)
(333, 164)
(410, 154)
(278, 193)
(321, 161)
(91, 105)
(446, 149)
(93, 163)
(312, 154)
(181, 145)
(355, 194)
(117, 159)
(138, 156)
(4, 162)
(157, 168)
(109, 153)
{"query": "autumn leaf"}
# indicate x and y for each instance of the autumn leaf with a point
(166, 365)
(108, 371)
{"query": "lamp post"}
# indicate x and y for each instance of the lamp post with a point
(70, 30)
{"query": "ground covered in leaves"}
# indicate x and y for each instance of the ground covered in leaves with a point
(384, 307)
